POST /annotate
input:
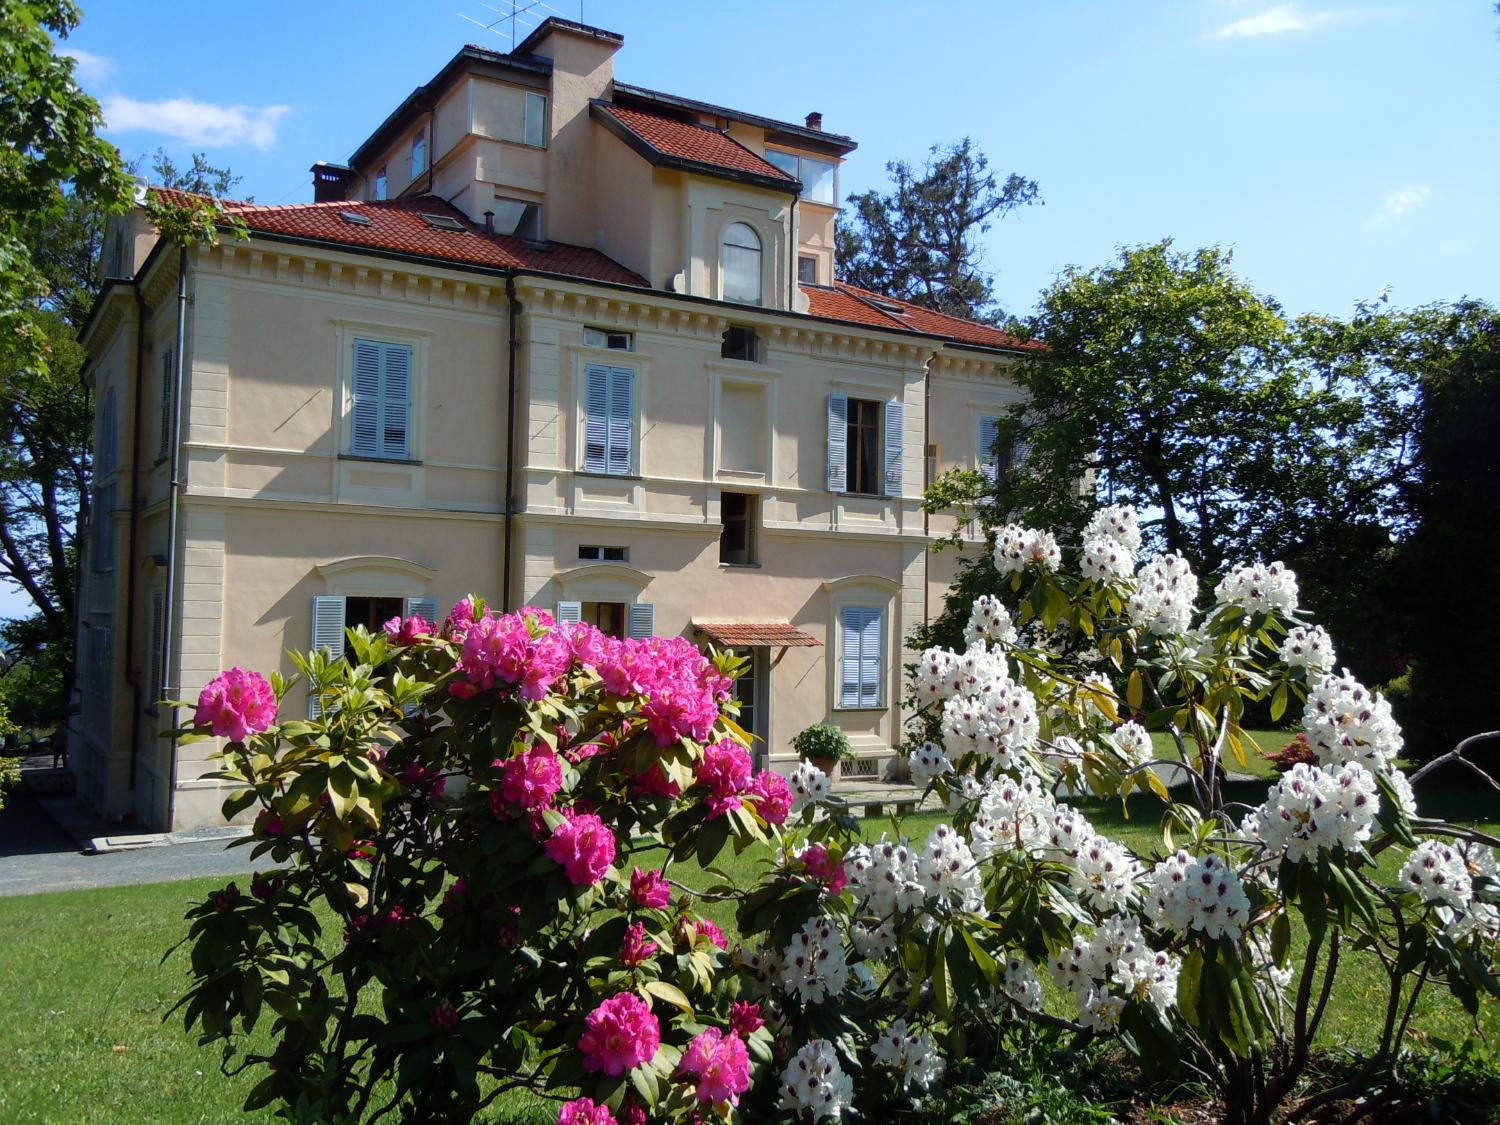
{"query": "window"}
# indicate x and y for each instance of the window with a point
(986, 454)
(332, 614)
(807, 269)
(632, 619)
(518, 218)
(590, 553)
(740, 343)
(105, 463)
(116, 256)
(860, 663)
(103, 533)
(608, 419)
(419, 153)
(380, 184)
(534, 131)
(605, 338)
(741, 264)
(382, 400)
(865, 445)
(165, 445)
(157, 689)
(98, 699)
(931, 466)
(817, 176)
(607, 617)
(737, 514)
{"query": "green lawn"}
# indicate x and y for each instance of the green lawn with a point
(83, 989)
(1266, 742)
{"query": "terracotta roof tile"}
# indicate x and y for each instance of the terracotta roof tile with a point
(684, 140)
(761, 634)
(860, 306)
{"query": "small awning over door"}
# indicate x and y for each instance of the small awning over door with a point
(759, 634)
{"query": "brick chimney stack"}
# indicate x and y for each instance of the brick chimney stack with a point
(815, 121)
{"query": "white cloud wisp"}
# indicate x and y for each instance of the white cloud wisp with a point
(1274, 21)
(87, 66)
(198, 123)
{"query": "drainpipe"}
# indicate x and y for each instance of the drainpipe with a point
(174, 489)
(514, 345)
(926, 518)
(132, 677)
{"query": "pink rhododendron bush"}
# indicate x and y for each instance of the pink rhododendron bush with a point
(474, 889)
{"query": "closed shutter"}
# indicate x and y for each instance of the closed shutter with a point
(425, 608)
(895, 440)
(838, 443)
(989, 430)
(165, 446)
(158, 646)
(595, 418)
(859, 656)
(328, 635)
(1019, 453)
(621, 388)
(366, 438)
(395, 400)
(568, 613)
(641, 620)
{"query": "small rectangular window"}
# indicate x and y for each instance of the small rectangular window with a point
(932, 464)
(165, 445)
(737, 542)
(381, 413)
(606, 338)
(419, 153)
(588, 552)
(518, 218)
(817, 176)
(380, 184)
(103, 531)
(860, 657)
(740, 343)
(807, 269)
(536, 117)
(608, 617)
(864, 466)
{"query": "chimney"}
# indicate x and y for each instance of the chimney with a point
(815, 121)
(489, 222)
(330, 181)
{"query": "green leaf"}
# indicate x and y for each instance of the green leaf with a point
(1281, 939)
(1135, 692)
(1278, 702)
(1189, 983)
(673, 995)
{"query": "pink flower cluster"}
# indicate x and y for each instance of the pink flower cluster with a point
(721, 1064)
(637, 948)
(621, 1034)
(460, 617)
(692, 929)
(650, 889)
(236, 703)
(584, 1111)
(771, 795)
(531, 779)
(681, 689)
(725, 772)
(407, 630)
(822, 867)
(584, 847)
(522, 649)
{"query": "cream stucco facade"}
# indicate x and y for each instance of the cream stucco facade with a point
(282, 507)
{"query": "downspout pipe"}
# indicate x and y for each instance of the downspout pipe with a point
(174, 491)
(132, 676)
(513, 307)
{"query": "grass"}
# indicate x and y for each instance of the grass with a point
(83, 988)
(1266, 742)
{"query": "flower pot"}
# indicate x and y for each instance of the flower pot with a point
(830, 766)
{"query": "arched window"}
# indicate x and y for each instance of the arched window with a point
(741, 264)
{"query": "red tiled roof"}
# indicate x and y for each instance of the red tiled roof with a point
(398, 226)
(860, 306)
(684, 140)
(764, 634)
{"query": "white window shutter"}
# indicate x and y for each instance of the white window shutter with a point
(568, 613)
(985, 455)
(895, 440)
(395, 400)
(595, 418)
(641, 620)
(425, 608)
(838, 442)
(365, 439)
(328, 635)
(621, 386)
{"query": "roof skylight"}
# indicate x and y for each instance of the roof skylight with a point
(355, 217)
(441, 222)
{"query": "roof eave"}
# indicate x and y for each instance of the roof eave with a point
(654, 156)
(835, 143)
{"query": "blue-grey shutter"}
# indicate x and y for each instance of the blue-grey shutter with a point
(395, 400)
(859, 656)
(838, 442)
(158, 646)
(849, 621)
(166, 403)
(895, 440)
(641, 620)
(568, 613)
(425, 608)
(1020, 452)
(869, 659)
(595, 418)
(366, 437)
(328, 635)
(989, 430)
(621, 385)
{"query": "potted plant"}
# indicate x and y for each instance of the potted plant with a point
(824, 746)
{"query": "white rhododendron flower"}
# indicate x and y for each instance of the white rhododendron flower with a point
(927, 762)
(1021, 983)
(1106, 560)
(1198, 893)
(1317, 808)
(1165, 590)
(948, 870)
(872, 940)
(937, 676)
(1018, 547)
(1259, 588)
(1015, 814)
(815, 1081)
(1133, 742)
(1436, 871)
(1000, 722)
(989, 623)
(814, 966)
(1104, 874)
(808, 784)
(911, 1054)
(1069, 831)
(1347, 722)
(1117, 522)
(1310, 647)
(979, 669)
(884, 877)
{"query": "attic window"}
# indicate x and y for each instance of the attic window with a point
(442, 222)
(888, 306)
(355, 217)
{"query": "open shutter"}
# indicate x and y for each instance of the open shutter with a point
(328, 635)
(395, 401)
(621, 385)
(568, 613)
(838, 442)
(989, 430)
(895, 440)
(641, 620)
(366, 437)
(595, 418)
(425, 608)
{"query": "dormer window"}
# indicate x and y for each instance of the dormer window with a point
(740, 261)
(419, 153)
(817, 176)
(380, 184)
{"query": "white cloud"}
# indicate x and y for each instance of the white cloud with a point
(1402, 200)
(198, 123)
(88, 67)
(1274, 21)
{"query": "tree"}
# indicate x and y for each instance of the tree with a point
(919, 242)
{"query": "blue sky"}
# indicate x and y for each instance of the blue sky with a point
(1341, 147)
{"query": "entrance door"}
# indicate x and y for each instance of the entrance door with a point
(751, 690)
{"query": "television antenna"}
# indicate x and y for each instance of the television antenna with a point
(521, 14)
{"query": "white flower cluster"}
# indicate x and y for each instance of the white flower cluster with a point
(927, 762)
(808, 784)
(1105, 560)
(1481, 918)
(1112, 966)
(1133, 743)
(979, 669)
(1069, 831)
(1000, 722)
(948, 870)
(1021, 983)
(989, 623)
(1193, 893)
(884, 877)
(814, 966)
(1104, 874)
(1347, 722)
(1310, 647)
(1117, 522)
(1313, 808)
(1259, 588)
(937, 675)
(1165, 590)
(765, 966)
(815, 1081)
(1015, 814)
(1436, 871)
(911, 1054)
(1018, 547)
(1265, 964)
